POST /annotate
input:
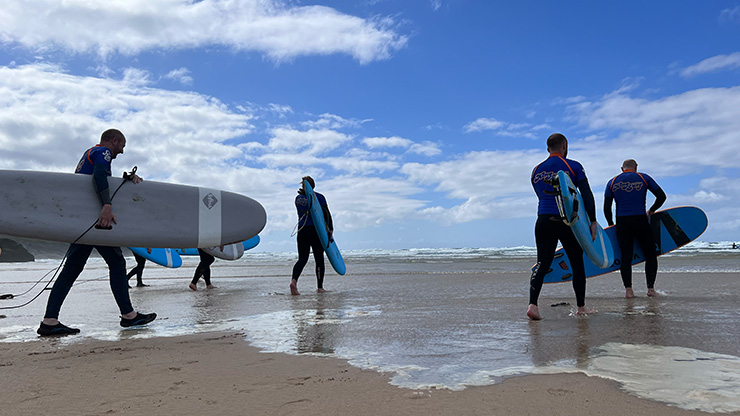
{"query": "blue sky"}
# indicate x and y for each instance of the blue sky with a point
(420, 120)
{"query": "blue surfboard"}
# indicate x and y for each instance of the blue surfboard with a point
(599, 251)
(330, 246)
(672, 228)
(162, 256)
(248, 244)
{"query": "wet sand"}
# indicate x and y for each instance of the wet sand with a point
(220, 374)
(378, 343)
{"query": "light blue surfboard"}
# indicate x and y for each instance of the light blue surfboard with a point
(672, 228)
(599, 251)
(162, 256)
(330, 246)
(248, 245)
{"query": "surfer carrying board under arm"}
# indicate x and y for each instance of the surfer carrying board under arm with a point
(629, 190)
(96, 162)
(308, 239)
(550, 228)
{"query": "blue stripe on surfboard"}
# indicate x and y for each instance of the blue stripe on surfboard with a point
(162, 256)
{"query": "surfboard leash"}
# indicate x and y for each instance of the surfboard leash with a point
(126, 177)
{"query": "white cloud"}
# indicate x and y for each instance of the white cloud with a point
(332, 121)
(271, 27)
(482, 124)
(181, 75)
(713, 64)
(49, 118)
(675, 135)
(730, 15)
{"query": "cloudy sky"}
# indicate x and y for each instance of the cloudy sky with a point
(420, 120)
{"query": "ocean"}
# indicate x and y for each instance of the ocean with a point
(436, 318)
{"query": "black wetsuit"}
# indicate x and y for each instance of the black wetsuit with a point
(204, 268)
(549, 228)
(138, 270)
(629, 189)
(308, 238)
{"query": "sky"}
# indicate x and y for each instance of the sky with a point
(420, 120)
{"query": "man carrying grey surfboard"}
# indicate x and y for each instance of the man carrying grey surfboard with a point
(550, 228)
(96, 162)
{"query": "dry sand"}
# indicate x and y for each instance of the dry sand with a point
(220, 374)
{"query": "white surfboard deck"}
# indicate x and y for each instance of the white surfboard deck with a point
(62, 206)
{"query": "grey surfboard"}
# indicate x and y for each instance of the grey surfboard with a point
(62, 206)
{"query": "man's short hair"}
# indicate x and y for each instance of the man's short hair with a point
(111, 134)
(555, 140)
(630, 164)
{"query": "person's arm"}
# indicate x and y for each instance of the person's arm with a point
(608, 209)
(660, 198)
(100, 179)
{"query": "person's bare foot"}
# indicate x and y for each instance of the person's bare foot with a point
(294, 288)
(652, 292)
(192, 286)
(321, 290)
(584, 311)
(533, 313)
(210, 287)
(629, 293)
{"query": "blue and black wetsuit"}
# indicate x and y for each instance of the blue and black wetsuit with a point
(308, 238)
(550, 228)
(630, 189)
(96, 162)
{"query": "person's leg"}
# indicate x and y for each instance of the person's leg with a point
(318, 257)
(644, 236)
(546, 241)
(626, 238)
(303, 241)
(77, 256)
(140, 264)
(118, 282)
(573, 250)
(207, 262)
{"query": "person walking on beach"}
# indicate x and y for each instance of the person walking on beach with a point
(629, 190)
(550, 228)
(95, 162)
(138, 270)
(308, 239)
(203, 270)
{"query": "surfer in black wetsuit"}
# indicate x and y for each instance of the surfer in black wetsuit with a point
(138, 270)
(203, 270)
(96, 162)
(308, 238)
(629, 189)
(550, 228)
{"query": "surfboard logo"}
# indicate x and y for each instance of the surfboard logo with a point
(210, 200)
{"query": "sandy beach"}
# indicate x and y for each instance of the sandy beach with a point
(220, 374)
(428, 334)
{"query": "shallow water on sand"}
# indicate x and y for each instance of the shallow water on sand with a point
(438, 321)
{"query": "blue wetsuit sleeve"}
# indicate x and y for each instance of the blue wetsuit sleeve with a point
(100, 179)
(660, 198)
(588, 198)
